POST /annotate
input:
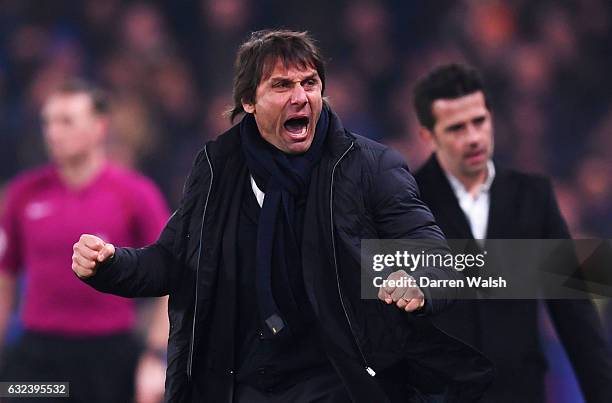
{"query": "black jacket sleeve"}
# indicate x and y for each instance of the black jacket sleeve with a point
(154, 270)
(142, 272)
(399, 213)
(579, 327)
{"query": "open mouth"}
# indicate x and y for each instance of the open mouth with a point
(297, 126)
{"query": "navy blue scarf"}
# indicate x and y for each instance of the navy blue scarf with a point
(281, 299)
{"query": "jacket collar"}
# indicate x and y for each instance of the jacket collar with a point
(338, 139)
(438, 192)
(458, 187)
(503, 209)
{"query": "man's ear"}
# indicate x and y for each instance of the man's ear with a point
(248, 107)
(427, 136)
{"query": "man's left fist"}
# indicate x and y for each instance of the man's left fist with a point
(400, 288)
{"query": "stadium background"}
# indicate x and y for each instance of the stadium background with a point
(168, 67)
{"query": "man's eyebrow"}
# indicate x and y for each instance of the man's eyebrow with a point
(479, 118)
(278, 78)
(311, 76)
(286, 78)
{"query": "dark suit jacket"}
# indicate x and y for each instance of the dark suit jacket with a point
(521, 206)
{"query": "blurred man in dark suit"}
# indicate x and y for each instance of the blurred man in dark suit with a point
(471, 197)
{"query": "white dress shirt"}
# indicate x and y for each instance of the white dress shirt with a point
(476, 208)
(259, 195)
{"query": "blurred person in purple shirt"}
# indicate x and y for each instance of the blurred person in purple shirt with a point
(71, 332)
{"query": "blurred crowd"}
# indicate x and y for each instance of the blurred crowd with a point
(168, 66)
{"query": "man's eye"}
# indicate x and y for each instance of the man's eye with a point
(479, 121)
(455, 128)
(281, 84)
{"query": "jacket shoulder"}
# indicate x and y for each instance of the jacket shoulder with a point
(526, 182)
(208, 162)
(429, 169)
(377, 157)
(226, 143)
(218, 148)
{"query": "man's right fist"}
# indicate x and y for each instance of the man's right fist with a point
(88, 252)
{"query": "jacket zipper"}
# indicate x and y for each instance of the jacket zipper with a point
(368, 369)
(195, 308)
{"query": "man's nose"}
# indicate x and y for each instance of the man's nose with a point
(473, 134)
(298, 95)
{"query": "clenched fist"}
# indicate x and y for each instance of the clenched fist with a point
(88, 252)
(401, 288)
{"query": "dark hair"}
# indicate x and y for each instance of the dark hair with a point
(99, 99)
(448, 81)
(256, 58)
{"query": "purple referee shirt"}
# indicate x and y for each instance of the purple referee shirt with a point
(41, 221)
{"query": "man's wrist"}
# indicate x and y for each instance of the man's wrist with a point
(108, 261)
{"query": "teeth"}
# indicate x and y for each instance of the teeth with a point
(301, 133)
